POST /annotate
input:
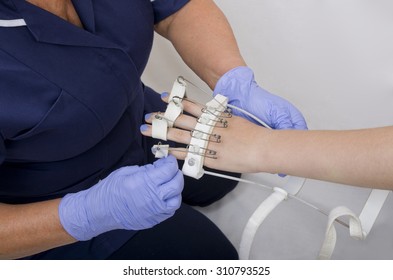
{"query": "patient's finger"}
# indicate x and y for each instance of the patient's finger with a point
(179, 153)
(183, 121)
(174, 134)
(189, 106)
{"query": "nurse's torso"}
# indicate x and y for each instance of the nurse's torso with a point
(71, 99)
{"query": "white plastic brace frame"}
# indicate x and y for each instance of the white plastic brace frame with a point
(193, 164)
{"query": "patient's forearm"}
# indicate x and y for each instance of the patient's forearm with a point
(356, 157)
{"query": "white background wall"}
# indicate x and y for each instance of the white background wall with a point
(334, 60)
(331, 58)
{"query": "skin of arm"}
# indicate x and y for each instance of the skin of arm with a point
(31, 228)
(204, 39)
(361, 157)
(355, 157)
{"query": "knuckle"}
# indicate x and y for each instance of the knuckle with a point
(177, 135)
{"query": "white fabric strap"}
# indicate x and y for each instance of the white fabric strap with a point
(193, 164)
(218, 103)
(159, 129)
(257, 218)
(160, 151)
(178, 89)
(355, 231)
(294, 185)
(372, 208)
(175, 107)
(12, 22)
(172, 112)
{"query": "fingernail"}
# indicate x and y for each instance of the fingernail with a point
(164, 95)
(147, 116)
(143, 127)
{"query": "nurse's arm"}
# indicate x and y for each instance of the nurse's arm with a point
(28, 229)
(204, 39)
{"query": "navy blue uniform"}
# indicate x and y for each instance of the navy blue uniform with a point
(72, 102)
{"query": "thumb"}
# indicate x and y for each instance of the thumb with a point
(297, 118)
(172, 188)
(281, 118)
(162, 170)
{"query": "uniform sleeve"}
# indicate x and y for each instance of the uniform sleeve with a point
(165, 8)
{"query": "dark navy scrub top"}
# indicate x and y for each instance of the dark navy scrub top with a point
(72, 102)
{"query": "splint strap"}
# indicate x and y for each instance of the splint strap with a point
(355, 230)
(359, 227)
(257, 218)
(371, 209)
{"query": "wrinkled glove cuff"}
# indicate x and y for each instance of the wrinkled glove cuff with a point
(233, 80)
(73, 217)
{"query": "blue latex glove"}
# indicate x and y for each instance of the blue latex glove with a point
(242, 91)
(133, 198)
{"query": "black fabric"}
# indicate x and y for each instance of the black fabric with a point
(165, 8)
(2, 150)
(188, 235)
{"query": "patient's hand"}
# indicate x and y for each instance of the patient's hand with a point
(241, 146)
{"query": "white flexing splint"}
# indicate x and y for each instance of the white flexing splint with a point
(193, 164)
(202, 134)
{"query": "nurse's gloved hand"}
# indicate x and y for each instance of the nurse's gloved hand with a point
(133, 198)
(242, 91)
